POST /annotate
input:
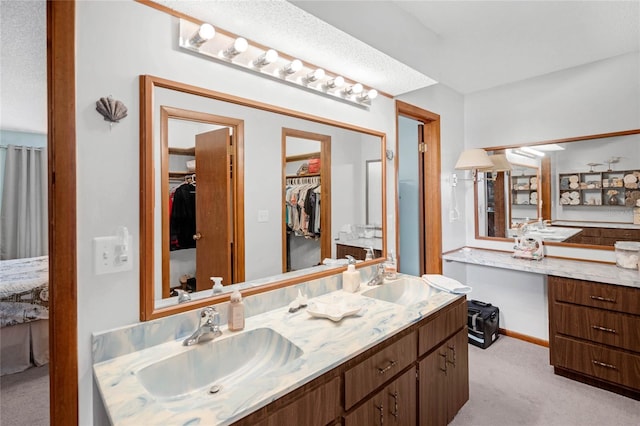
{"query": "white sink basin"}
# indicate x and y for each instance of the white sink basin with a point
(405, 291)
(223, 362)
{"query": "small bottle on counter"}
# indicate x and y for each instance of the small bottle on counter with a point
(351, 277)
(390, 268)
(236, 312)
(217, 284)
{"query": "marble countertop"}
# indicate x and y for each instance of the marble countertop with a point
(376, 243)
(584, 270)
(325, 345)
(551, 233)
(616, 225)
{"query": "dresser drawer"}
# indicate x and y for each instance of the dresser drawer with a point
(597, 361)
(442, 326)
(597, 325)
(365, 377)
(606, 296)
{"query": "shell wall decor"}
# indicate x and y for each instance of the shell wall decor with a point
(112, 110)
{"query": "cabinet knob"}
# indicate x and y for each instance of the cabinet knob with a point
(395, 412)
(197, 236)
(603, 299)
(600, 328)
(604, 364)
(444, 357)
(381, 410)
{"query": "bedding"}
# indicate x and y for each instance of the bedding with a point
(24, 290)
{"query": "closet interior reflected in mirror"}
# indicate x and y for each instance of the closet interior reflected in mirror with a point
(212, 199)
(306, 166)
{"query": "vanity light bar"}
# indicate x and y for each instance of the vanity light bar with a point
(240, 52)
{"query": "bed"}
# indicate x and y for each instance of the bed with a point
(24, 313)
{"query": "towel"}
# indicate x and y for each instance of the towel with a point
(443, 283)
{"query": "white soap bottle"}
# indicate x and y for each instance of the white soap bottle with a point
(236, 312)
(217, 284)
(390, 267)
(351, 277)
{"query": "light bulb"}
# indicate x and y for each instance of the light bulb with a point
(266, 58)
(335, 83)
(356, 89)
(239, 45)
(205, 33)
(292, 67)
(316, 75)
(368, 95)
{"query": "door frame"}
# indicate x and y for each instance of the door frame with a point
(61, 146)
(431, 235)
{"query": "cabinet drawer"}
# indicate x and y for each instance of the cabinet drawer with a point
(597, 325)
(394, 405)
(606, 296)
(598, 361)
(442, 326)
(626, 234)
(365, 377)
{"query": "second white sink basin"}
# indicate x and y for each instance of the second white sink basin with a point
(405, 291)
(222, 362)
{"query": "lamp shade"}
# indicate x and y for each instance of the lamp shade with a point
(500, 164)
(473, 159)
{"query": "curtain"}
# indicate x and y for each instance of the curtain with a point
(24, 215)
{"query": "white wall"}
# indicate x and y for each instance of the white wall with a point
(108, 160)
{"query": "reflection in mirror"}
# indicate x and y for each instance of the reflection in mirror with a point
(198, 225)
(239, 195)
(306, 200)
(585, 189)
(374, 196)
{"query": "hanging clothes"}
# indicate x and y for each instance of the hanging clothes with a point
(302, 207)
(182, 221)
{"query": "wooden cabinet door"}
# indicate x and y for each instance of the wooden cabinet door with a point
(213, 208)
(444, 381)
(394, 405)
(432, 388)
(457, 372)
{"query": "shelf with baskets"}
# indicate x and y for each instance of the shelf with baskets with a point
(524, 190)
(610, 188)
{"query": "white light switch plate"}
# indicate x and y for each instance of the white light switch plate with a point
(107, 255)
(263, 216)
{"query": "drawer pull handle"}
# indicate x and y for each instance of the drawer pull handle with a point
(604, 364)
(381, 409)
(445, 363)
(603, 299)
(387, 368)
(395, 412)
(600, 328)
(453, 352)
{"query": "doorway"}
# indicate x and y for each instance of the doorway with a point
(418, 203)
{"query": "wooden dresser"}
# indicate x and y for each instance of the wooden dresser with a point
(594, 333)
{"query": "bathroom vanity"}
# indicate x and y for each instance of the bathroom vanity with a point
(402, 359)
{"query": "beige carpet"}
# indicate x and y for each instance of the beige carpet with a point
(24, 398)
(512, 383)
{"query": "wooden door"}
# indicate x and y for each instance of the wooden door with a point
(214, 228)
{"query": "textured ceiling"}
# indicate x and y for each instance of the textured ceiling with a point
(291, 30)
(23, 59)
(475, 45)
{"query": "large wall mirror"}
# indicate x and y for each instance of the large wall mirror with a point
(214, 175)
(578, 191)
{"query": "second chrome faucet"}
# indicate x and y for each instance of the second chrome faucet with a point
(208, 329)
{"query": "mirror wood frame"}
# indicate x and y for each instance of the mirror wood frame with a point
(545, 170)
(148, 83)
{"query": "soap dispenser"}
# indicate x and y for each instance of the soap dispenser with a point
(236, 312)
(351, 277)
(217, 284)
(390, 267)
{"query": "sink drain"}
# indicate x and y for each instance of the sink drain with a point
(215, 389)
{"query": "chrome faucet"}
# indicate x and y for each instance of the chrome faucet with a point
(208, 329)
(378, 276)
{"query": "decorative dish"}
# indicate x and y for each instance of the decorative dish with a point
(334, 312)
